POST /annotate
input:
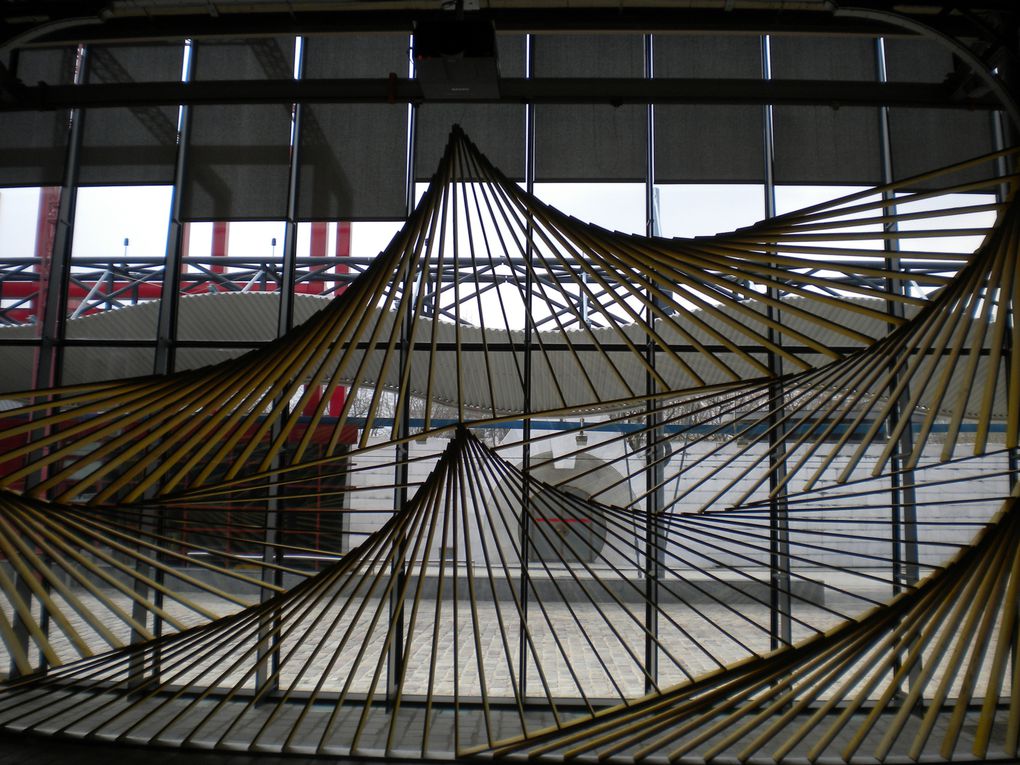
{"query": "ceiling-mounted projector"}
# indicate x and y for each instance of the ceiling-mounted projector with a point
(455, 59)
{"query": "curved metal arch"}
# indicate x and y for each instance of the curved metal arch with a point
(977, 65)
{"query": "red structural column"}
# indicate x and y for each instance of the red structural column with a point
(220, 243)
(45, 237)
(319, 248)
(343, 251)
(45, 233)
(343, 246)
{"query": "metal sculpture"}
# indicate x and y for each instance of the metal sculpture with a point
(749, 609)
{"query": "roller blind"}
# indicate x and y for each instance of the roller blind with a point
(497, 129)
(239, 154)
(926, 139)
(131, 145)
(704, 144)
(33, 145)
(353, 156)
(707, 56)
(820, 144)
(589, 142)
(917, 60)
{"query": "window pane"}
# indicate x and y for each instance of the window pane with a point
(117, 262)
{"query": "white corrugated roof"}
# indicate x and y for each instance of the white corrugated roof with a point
(251, 317)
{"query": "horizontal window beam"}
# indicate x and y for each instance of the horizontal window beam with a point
(614, 91)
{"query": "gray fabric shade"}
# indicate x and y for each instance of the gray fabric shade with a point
(353, 157)
(238, 163)
(917, 60)
(366, 55)
(696, 143)
(819, 144)
(708, 144)
(353, 161)
(262, 58)
(131, 145)
(50, 66)
(589, 142)
(510, 50)
(111, 64)
(239, 154)
(497, 129)
(926, 139)
(33, 145)
(588, 55)
(823, 58)
(706, 56)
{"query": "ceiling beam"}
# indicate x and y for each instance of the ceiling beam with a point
(149, 23)
(615, 92)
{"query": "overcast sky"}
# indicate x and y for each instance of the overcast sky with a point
(106, 216)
